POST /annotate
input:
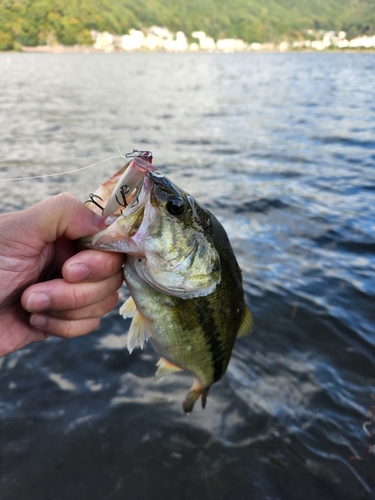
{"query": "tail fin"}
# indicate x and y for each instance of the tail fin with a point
(194, 393)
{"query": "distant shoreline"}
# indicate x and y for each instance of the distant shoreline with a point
(81, 49)
(61, 49)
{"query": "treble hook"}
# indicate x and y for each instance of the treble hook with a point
(91, 200)
(124, 190)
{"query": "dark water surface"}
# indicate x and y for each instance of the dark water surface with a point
(281, 147)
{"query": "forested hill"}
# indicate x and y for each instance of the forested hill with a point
(37, 22)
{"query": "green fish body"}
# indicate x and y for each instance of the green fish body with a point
(184, 281)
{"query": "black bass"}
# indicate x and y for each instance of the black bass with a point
(183, 278)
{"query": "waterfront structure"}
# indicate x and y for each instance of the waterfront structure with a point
(161, 38)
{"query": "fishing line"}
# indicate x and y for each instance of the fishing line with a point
(62, 173)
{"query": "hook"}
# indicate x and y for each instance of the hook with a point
(91, 200)
(124, 190)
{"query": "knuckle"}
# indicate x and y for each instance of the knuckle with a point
(108, 305)
(110, 263)
(68, 203)
(78, 297)
(69, 315)
(69, 330)
(66, 200)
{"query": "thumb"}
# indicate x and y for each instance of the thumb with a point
(61, 215)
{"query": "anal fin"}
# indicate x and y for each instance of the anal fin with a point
(164, 368)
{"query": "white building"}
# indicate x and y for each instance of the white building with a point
(194, 47)
(157, 37)
(102, 41)
(152, 42)
(205, 42)
(365, 42)
(160, 38)
(284, 46)
(133, 41)
(231, 45)
(161, 32)
(343, 44)
(180, 44)
(318, 45)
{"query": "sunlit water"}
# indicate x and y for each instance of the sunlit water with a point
(281, 147)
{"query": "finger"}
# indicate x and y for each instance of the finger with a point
(91, 265)
(64, 328)
(54, 217)
(16, 331)
(58, 295)
(93, 311)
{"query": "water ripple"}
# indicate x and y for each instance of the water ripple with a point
(280, 148)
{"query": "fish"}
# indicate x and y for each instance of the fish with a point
(185, 285)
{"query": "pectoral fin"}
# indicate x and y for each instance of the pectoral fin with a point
(139, 331)
(128, 308)
(165, 367)
(246, 326)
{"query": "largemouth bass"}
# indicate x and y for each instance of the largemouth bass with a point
(182, 275)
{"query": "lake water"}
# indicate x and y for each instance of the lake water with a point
(281, 147)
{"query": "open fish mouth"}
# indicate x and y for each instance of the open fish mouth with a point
(138, 197)
(123, 198)
(128, 186)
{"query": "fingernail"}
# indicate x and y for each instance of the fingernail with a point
(77, 272)
(38, 302)
(38, 320)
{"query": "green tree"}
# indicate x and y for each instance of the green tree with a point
(33, 22)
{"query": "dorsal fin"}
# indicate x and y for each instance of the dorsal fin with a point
(246, 325)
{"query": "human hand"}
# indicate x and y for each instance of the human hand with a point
(46, 287)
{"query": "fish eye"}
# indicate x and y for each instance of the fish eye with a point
(175, 206)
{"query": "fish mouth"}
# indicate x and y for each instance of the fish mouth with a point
(128, 183)
(141, 194)
(138, 199)
(135, 202)
(121, 232)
